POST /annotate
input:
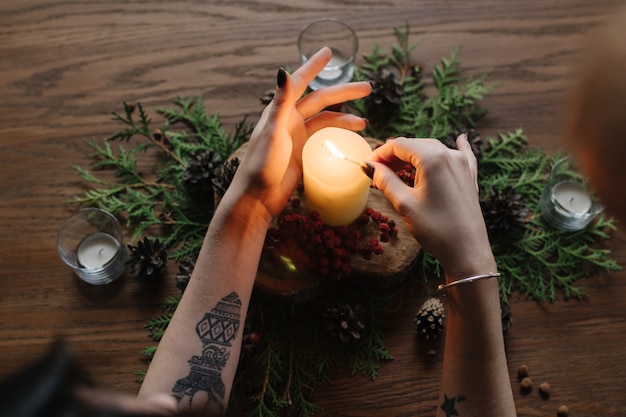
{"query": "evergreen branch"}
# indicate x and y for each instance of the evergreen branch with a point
(143, 129)
(157, 326)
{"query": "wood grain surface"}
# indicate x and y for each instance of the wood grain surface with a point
(64, 66)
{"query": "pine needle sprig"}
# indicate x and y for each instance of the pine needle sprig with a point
(133, 129)
(157, 326)
(370, 348)
(206, 131)
(454, 106)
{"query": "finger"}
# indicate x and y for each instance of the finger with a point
(279, 108)
(399, 151)
(463, 145)
(303, 76)
(322, 98)
(342, 120)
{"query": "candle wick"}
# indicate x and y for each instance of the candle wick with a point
(100, 251)
(571, 200)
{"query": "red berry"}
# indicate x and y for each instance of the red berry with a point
(255, 338)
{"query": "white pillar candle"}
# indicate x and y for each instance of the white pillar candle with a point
(334, 186)
(96, 250)
(572, 197)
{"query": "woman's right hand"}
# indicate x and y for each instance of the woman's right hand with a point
(442, 209)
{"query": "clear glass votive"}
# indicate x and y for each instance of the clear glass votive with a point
(90, 242)
(568, 202)
(341, 39)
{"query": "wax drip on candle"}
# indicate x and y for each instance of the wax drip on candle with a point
(365, 167)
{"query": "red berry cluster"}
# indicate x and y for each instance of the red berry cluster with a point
(407, 174)
(386, 226)
(327, 249)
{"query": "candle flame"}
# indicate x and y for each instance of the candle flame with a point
(333, 149)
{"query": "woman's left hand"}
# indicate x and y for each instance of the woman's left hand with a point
(272, 166)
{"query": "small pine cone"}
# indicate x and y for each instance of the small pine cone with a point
(200, 172)
(386, 95)
(223, 176)
(148, 258)
(473, 137)
(504, 209)
(430, 319)
(185, 268)
(346, 321)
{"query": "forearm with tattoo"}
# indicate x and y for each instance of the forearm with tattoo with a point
(217, 331)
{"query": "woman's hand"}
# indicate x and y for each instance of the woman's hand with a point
(442, 209)
(273, 162)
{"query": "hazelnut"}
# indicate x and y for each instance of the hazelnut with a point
(522, 372)
(544, 390)
(563, 411)
(526, 385)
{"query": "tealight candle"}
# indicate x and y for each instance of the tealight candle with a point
(572, 197)
(97, 250)
(334, 185)
(567, 203)
(90, 242)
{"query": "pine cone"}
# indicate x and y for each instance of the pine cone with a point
(430, 319)
(386, 95)
(346, 321)
(185, 268)
(200, 171)
(504, 209)
(148, 258)
(223, 176)
(473, 137)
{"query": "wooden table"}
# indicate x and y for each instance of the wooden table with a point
(64, 66)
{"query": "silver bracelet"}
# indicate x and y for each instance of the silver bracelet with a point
(443, 287)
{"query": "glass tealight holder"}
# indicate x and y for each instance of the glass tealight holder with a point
(568, 202)
(90, 242)
(341, 39)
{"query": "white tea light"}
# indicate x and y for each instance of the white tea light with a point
(97, 250)
(567, 203)
(334, 185)
(90, 242)
(572, 197)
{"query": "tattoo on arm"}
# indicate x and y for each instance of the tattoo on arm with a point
(448, 405)
(217, 331)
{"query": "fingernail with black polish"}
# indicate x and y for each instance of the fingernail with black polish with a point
(281, 78)
(368, 169)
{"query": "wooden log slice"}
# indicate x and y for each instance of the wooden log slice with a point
(283, 275)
